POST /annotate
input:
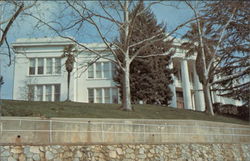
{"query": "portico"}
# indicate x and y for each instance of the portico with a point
(186, 88)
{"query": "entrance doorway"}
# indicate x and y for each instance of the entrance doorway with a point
(180, 100)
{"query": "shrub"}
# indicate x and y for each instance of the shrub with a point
(241, 112)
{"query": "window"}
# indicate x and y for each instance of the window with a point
(113, 69)
(57, 65)
(49, 66)
(48, 95)
(98, 70)
(57, 93)
(47, 92)
(38, 66)
(98, 95)
(32, 67)
(106, 95)
(106, 70)
(91, 71)
(103, 95)
(91, 95)
(39, 93)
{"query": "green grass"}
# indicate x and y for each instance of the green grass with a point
(87, 110)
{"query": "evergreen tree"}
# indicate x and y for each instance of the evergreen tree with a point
(149, 75)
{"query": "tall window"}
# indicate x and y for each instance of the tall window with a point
(32, 67)
(107, 95)
(98, 70)
(98, 95)
(57, 92)
(40, 66)
(57, 65)
(103, 95)
(113, 69)
(37, 66)
(48, 94)
(39, 93)
(44, 92)
(106, 70)
(49, 66)
(91, 71)
(91, 95)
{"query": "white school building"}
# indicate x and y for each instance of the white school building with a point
(40, 75)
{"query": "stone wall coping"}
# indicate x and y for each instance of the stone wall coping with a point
(150, 121)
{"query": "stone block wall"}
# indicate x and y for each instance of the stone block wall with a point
(128, 152)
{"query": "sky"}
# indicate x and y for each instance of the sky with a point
(26, 27)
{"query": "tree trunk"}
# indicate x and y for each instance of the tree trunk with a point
(68, 83)
(126, 98)
(208, 102)
(126, 88)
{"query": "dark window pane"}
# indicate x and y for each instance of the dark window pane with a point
(106, 70)
(32, 66)
(40, 66)
(98, 70)
(39, 93)
(48, 93)
(107, 95)
(91, 95)
(49, 66)
(98, 95)
(57, 65)
(32, 71)
(91, 71)
(57, 92)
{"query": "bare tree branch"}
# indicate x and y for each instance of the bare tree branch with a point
(5, 31)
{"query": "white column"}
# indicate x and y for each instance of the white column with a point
(173, 89)
(198, 94)
(186, 85)
(53, 93)
(44, 94)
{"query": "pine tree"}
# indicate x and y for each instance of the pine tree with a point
(149, 75)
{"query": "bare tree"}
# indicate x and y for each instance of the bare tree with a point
(207, 49)
(235, 52)
(9, 11)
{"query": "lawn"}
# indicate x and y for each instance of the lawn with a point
(88, 110)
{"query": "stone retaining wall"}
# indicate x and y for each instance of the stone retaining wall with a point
(128, 152)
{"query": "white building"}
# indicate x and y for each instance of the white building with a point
(40, 75)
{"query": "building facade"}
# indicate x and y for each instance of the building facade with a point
(40, 75)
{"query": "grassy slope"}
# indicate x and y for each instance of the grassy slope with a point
(85, 110)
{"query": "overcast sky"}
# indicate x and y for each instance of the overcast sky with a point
(24, 27)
